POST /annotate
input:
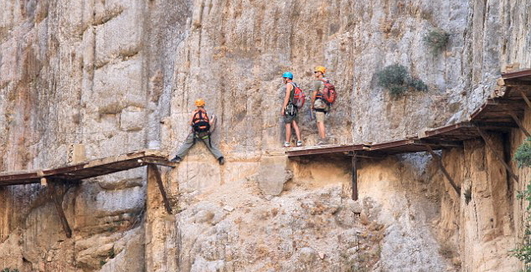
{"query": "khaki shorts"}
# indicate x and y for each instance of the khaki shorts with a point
(320, 116)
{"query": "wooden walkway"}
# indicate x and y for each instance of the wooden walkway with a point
(74, 173)
(500, 113)
(84, 170)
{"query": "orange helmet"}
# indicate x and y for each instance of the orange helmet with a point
(321, 69)
(200, 102)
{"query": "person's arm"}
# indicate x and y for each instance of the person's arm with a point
(192, 118)
(314, 93)
(316, 88)
(289, 87)
(212, 120)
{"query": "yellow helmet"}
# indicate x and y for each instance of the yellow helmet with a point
(200, 102)
(320, 69)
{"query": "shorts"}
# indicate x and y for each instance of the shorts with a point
(319, 116)
(289, 118)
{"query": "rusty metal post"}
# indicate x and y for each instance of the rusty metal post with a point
(59, 208)
(498, 156)
(354, 177)
(154, 170)
(438, 160)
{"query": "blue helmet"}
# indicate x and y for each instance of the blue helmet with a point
(288, 75)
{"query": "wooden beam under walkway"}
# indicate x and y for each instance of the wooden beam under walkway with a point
(439, 162)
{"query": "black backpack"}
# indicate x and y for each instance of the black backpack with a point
(200, 122)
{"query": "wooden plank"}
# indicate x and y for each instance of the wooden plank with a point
(516, 90)
(354, 177)
(390, 145)
(446, 129)
(59, 207)
(518, 74)
(154, 170)
(517, 82)
(315, 150)
(492, 108)
(439, 143)
(438, 160)
(493, 126)
(87, 169)
(498, 156)
(158, 162)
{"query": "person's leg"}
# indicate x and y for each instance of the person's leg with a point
(297, 131)
(322, 131)
(319, 116)
(213, 148)
(288, 132)
(188, 143)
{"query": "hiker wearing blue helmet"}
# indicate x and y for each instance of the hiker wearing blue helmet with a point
(289, 110)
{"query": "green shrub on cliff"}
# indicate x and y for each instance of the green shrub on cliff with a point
(396, 79)
(523, 251)
(436, 40)
(523, 154)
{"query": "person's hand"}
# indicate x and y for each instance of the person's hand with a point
(282, 112)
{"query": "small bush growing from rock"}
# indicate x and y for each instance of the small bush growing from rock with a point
(9, 270)
(436, 40)
(523, 154)
(523, 250)
(418, 84)
(396, 79)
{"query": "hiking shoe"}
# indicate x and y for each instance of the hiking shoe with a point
(299, 143)
(176, 159)
(321, 142)
(221, 161)
(286, 144)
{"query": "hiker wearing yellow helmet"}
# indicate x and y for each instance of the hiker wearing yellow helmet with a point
(201, 130)
(318, 103)
(200, 102)
(289, 110)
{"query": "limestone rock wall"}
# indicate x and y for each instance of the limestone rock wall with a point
(117, 76)
(72, 73)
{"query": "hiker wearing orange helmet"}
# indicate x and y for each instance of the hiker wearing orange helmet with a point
(289, 110)
(201, 130)
(318, 103)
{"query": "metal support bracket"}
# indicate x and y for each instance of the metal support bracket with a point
(354, 176)
(154, 170)
(498, 156)
(58, 202)
(516, 120)
(525, 98)
(443, 169)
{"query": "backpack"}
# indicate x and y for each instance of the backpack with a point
(320, 104)
(298, 97)
(200, 122)
(329, 92)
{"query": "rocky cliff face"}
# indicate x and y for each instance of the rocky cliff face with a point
(117, 76)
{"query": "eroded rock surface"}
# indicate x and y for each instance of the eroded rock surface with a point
(117, 76)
